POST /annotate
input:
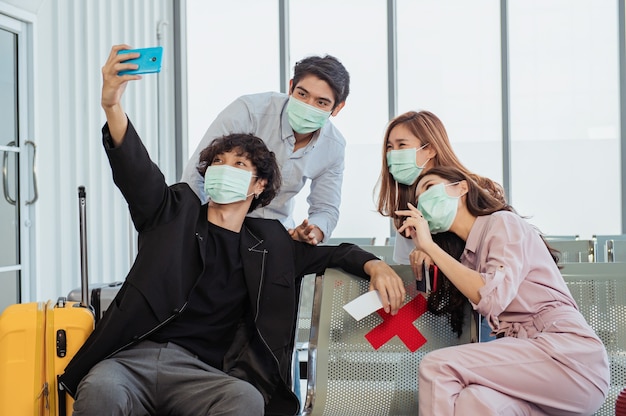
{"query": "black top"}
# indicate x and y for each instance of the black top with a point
(207, 326)
(172, 257)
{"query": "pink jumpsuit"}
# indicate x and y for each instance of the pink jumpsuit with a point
(548, 361)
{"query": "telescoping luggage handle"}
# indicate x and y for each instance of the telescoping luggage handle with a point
(61, 341)
(84, 277)
(61, 335)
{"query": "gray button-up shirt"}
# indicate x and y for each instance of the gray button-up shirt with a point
(321, 161)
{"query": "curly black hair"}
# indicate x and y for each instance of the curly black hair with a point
(253, 148)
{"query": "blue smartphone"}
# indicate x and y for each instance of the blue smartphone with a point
(149, 60)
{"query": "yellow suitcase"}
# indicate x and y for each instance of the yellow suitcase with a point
(37, 341)
(22, 371)
(68, 324)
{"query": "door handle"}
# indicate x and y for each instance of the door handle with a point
(5, 176)
(36, 192)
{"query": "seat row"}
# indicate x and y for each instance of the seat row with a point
(609, 248)
(356, 367)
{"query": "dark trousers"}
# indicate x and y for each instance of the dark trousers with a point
(163, 379)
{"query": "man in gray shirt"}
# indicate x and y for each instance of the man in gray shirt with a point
(307, 145)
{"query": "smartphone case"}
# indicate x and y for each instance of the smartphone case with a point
(149, 60)
(428, 283)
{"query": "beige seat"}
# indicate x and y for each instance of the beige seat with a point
(346, 374)
(600, 292)
(385, 253)
(615, 251)
(359, 241)
(566, 237)
(575, 251)
(601, 245)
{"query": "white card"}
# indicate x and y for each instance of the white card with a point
(365, 304)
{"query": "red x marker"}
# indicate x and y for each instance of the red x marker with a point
(400, 325)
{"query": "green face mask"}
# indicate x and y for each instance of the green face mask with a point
(305, 118)
(403, 166)
(438, 208)
(225, 184)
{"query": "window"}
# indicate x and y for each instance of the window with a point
(564, 90)
(359, 41)
(449, 64)
(232, 50)
(563, 93)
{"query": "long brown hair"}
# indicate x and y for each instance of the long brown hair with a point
(447, 298)
(429, 129)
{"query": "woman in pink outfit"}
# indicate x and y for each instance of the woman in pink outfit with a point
(546, 359)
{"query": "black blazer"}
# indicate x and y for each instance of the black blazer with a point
(173, 227)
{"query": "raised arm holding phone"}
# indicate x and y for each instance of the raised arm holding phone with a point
(204, 321)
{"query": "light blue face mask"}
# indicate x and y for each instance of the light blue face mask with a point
(305, 118)
(403, 165)
(225, 184)
(438, 208)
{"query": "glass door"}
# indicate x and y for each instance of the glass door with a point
(15, 152)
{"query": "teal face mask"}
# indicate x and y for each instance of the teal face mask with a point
(305, 118)
(225, 184)
(403, 166)
(438, 208)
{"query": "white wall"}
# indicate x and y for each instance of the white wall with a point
(72, 40)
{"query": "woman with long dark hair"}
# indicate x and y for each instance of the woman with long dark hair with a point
(546, 359)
